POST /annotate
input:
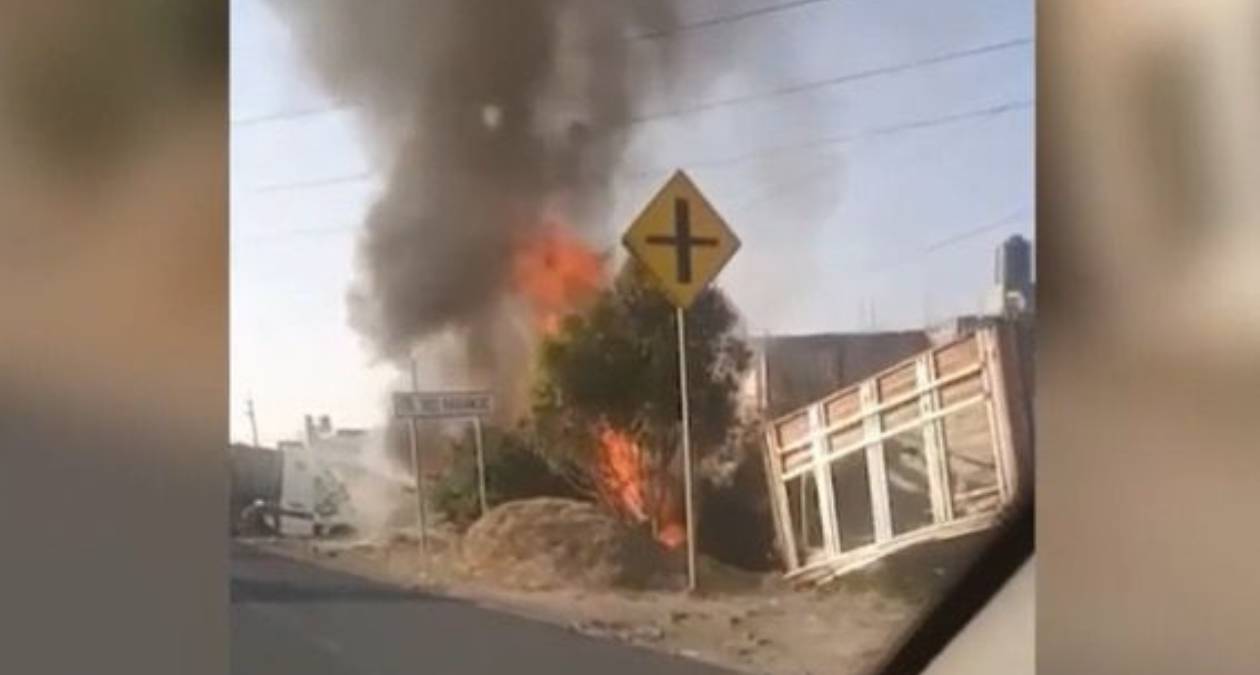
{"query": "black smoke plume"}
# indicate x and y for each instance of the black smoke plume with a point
(488, 116)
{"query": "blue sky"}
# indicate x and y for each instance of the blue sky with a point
(833, 216)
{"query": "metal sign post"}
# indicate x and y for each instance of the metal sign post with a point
(680, 238)
(681, 314)
(417, 405)
(481, 465)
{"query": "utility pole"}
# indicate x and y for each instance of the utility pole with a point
(763, 374)
(253, 420)
(418, 468)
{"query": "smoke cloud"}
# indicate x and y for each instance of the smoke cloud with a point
(492, 118)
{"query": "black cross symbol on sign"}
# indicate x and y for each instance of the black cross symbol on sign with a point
(682, 241)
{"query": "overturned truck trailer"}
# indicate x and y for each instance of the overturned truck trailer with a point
(937, 446)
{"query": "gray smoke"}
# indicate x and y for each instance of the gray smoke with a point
(489, 114)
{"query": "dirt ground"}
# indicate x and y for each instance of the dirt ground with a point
(749, 622)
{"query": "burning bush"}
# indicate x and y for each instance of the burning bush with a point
(606, 404)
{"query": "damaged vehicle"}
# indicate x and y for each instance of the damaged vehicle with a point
(287, 491)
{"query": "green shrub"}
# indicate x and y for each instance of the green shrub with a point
(514, 470)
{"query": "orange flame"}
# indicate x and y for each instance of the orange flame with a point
(556, 273)
(622, 467)
(672, 535)
(625, 486)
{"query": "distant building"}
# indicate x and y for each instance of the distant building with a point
(340, 450)
(1013, 291)
(336, 447)
(791, 370)
(957, 327)
(317, 427)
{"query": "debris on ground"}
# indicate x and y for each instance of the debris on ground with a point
(620, 630)
(722, 578)
(570, 564)
(678, 616)
(548, 542)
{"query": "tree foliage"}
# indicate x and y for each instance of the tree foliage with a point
(617, 365)
(514, 470)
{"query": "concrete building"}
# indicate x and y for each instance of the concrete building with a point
(1013, 292)
(335, 446)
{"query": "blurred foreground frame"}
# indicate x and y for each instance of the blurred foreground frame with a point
(1148, 346)
(85, 83)
(1150, 336)
(113, 354)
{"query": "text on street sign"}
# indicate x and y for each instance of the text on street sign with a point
(442, 404)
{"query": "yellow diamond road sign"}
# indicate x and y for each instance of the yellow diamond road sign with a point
(681, 239)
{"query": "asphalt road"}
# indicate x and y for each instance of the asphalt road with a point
(288, 617)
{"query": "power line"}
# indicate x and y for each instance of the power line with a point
(963, 236)
(832, 81)
(872, 272)
(318, 182)
(648, 35)
(969, 234)
(748, 98)
(743, 98)
(810, 144)
(296, 232)
(292, 114)
(723, 20)
(776, 190)
(795, 184)
(946, 242)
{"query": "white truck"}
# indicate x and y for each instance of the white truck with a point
(307, 499)
(313, 502)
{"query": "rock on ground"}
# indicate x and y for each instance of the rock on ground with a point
(561, 543)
